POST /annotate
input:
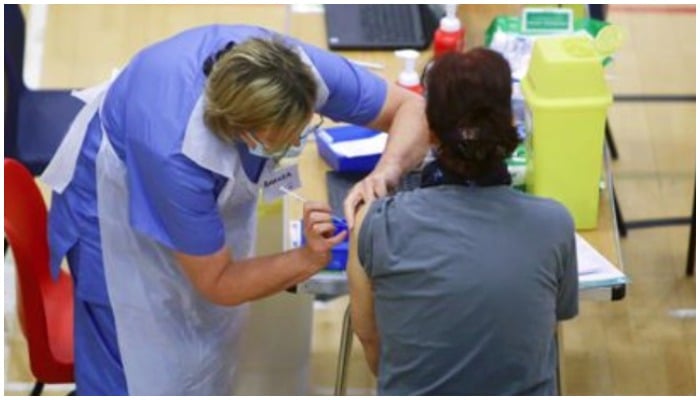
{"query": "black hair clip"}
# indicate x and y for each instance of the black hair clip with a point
(212, 59)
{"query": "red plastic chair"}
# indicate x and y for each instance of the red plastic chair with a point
(44, 305)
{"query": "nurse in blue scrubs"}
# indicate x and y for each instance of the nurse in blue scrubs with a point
(155, 189)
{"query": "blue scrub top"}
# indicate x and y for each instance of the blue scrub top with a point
(172, 200)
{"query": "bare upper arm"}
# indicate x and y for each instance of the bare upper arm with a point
(361, 295)
(396, 96)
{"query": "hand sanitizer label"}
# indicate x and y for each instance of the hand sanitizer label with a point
(547, 20)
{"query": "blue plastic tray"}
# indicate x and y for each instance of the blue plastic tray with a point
(324, 139)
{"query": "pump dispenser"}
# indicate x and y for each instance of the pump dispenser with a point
(450, 36)
(409, 78)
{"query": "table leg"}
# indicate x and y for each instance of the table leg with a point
(344, 355)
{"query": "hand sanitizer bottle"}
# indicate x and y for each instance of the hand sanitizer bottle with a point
(408, 78)
(450, 34)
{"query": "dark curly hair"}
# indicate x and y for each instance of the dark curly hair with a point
(469, 111)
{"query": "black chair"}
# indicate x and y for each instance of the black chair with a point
(35, 120)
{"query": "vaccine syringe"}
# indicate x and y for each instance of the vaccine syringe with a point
(339, 222)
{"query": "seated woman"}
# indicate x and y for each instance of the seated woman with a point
(456, 287)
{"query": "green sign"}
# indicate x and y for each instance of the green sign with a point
(547, 20)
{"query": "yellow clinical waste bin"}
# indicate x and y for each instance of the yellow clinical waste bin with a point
(567, 99)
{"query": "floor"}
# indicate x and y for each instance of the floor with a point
(643, 345)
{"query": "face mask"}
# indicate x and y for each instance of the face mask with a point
(289, 151)
(295, 151)
(259, 150)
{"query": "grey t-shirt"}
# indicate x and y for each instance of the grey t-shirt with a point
(468, 285)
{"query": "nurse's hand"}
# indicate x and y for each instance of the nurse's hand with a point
(318, 230)
(378, 183)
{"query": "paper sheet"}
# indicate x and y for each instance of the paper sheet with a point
(593, 268)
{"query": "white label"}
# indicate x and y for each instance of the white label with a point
(273, 180)
(550, 20)
(295, 233)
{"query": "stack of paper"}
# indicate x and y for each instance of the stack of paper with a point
(594, 270)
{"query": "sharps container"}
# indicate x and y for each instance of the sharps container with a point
(566, 99)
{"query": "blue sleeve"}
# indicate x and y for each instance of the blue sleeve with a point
(173, 201)
(356, 96)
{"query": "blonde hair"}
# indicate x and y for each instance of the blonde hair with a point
(259, 85)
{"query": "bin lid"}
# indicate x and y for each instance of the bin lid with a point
(566, 67)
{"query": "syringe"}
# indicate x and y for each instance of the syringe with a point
(339, 222)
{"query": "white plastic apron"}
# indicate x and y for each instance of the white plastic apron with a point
(171, 340)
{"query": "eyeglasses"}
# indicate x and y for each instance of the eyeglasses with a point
(289, 148)
(311, 129)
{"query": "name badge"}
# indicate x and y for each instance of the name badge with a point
(273, 180)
